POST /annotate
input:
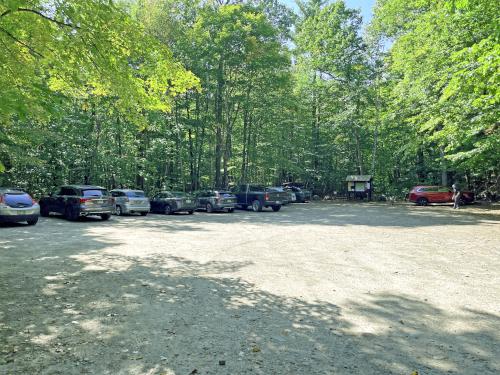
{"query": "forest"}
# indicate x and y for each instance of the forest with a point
(190, 94)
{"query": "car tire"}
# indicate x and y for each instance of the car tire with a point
(422, 201)
(256, 206)
(209, 208)
(190, 212)
(71, 213)
(167, 210)
(44, 211)
(118, 210)
(462, 202)
(32, 221)
(105, 217)
(144, 213)
(276, 208)
(244, 207)
(230, 210)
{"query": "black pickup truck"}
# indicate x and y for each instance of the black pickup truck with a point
(257, 197)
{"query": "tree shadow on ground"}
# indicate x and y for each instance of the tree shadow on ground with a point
(81, 310)
(327, 214)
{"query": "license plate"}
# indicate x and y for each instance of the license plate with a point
(188, 200)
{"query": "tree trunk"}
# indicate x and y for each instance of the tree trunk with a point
(218, 123)
(444, 172)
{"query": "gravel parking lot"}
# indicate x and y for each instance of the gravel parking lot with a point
(322, 288)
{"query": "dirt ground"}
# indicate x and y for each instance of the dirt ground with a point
(322, 288)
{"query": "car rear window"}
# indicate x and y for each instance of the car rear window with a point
(95, 193)
(135, 194)
(257, 188)
(14, 198)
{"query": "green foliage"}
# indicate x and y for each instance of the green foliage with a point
(187, 94)
(81, 49)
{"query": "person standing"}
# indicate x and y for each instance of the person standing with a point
(456, 195)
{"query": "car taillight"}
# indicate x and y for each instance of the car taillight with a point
(83, 200)
(217, 197)
(266, 197)
(1, 199)
(33, 201)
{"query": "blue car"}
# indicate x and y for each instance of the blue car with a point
(17, 206)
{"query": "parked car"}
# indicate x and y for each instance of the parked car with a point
(127, 201)
(285, 196)
(423, 195)
(75, 201)
(257, 197)
(168, 202)
(216, 200)
(301, 195)
(17, 206)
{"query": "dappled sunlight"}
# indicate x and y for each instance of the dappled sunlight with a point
(100, 303)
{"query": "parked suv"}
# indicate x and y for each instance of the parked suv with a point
(127, 201)
(168, 202)
(423, 195)
(17, 206)
(74, 201)
(215, 200)
(301, 195)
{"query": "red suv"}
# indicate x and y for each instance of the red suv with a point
(423, 195)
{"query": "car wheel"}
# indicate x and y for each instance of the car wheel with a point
(256, 206)
(105, 216)
(33, 221)
(71, 213)
(244, 207)
(144, 213)
(44, 212)
(230, 210)
(190, 212)
(167, 210)
(462, 202)
(276, 208)
(210, 208)
(422, 201)
(118, 211)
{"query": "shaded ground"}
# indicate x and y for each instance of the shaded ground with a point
(312, 289)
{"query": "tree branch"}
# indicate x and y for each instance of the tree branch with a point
(31, 49)
(38, 13)
(6, 12)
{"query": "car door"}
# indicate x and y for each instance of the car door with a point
(444, 194)
(202, 198)
(60, 200)
(155, 203)
(49, 202)
(432, 194)
(237, 193)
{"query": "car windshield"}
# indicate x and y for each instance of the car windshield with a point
(13, 197)
(135, 194)
(257, 188)
(279, 189)
(225, 193)
(95, 193)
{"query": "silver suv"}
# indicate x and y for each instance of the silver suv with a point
(128, 201)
